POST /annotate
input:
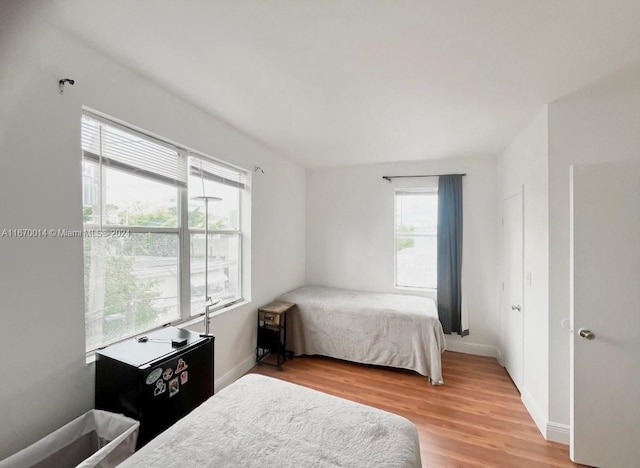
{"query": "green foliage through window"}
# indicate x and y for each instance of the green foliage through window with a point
(405, 242)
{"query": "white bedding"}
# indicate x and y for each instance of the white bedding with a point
(262, 422)
(393, 330)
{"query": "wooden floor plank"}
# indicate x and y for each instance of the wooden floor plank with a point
(475, 419)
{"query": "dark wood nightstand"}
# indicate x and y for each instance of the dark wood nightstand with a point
(272, 333)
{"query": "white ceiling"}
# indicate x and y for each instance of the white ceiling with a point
(341, 82)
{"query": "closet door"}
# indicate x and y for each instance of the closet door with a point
(605, 314)
(512, 282)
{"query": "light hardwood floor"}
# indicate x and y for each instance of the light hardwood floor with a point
(475, 419)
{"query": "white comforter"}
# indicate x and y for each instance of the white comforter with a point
(263, 422)
(393, 330)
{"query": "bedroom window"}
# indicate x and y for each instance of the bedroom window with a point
(144, 256)
(416, 242)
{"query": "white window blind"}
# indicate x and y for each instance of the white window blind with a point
(112, 145)
(216, 171)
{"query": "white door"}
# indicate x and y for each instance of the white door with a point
(512, 279)
(605, 315)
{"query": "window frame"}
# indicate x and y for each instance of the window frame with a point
(212, 232)
(399, 191)
(182, 230)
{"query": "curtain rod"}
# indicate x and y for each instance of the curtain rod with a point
(388, 178)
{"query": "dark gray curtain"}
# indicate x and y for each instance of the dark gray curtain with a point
(450, 254)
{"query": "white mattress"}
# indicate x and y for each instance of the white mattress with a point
(393, 330)
(263, 422)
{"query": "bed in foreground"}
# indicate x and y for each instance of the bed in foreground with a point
(394, 330)
(259, 421)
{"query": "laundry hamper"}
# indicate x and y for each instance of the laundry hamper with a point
(95, 439)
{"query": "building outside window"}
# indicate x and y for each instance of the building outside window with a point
(144, 253)
(416, 240)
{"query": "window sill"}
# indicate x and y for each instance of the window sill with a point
(91, 355)
(91, 358)
(214, 313)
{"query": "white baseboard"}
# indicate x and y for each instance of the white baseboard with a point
(235, 373)
(459, 346)
(552, 431)
(557, 432)
(534, 410)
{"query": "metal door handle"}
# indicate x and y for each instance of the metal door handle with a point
(516, 307)
(586, 334)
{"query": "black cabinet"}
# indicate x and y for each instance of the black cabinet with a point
(157, 380)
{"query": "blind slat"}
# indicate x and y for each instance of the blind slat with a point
(217, 172)
(132, 149)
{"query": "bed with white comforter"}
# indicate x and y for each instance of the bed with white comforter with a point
(262, 422)
(394, 330)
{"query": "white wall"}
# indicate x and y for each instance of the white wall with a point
(524, 163)
(350, 240)
(597, 124)
(46, 382)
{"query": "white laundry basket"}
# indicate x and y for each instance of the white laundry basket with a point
(95, 439)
